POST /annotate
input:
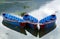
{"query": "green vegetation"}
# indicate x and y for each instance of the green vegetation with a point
(26, 7)
(20, 13)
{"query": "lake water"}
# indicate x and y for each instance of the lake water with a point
(18, 6)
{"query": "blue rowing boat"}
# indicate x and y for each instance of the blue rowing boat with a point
(13, 20)
(33, 21)
(29, 23)
(48, 21)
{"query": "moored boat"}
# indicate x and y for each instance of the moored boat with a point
(48, 22)
(12, 19)
(33, 21)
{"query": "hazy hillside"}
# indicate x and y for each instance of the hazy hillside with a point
(18, 6)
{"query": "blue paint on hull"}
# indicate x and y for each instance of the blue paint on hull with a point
(12, 19)
(30, 19)
(46, 21)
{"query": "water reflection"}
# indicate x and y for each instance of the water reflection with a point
(16, 28)
(44, 31)
(34, 32)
